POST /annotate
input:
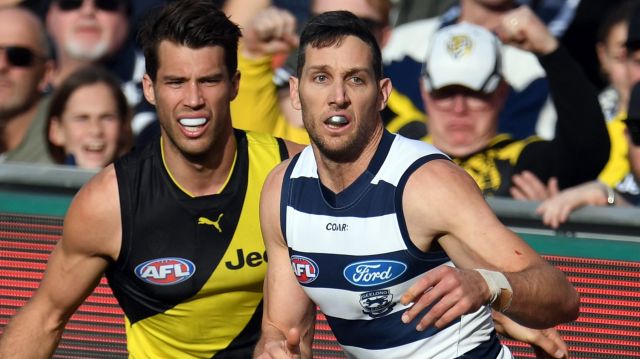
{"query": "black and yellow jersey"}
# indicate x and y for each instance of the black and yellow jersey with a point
(190, 272)
(493, 166)
(401, 116)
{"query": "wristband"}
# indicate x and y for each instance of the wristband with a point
(499, 287)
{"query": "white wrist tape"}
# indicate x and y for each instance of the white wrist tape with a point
(497, 282)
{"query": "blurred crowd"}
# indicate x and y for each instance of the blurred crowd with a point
(534, 99)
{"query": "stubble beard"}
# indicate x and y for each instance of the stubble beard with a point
(348, 150)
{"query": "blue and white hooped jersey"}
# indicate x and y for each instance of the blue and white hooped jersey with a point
(352, 254)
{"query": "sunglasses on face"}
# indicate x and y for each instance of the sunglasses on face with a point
(105, 5)
(19, 56)
(633, 125)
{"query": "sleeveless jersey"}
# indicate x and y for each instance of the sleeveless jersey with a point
(190, 271)
(352, 254)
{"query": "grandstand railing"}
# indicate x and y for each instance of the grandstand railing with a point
(598, 249)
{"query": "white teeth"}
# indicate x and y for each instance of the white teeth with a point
(193, 122)
(94, 147)
(337, 120)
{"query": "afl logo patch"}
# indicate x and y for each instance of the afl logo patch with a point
(373, 272)
(165, 271)
(305, 269)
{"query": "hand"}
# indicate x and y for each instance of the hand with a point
(270, 32)
(521, 28)
(546, 343)
(527, 187)
(556, 210)
(452, 291)
(283, 349)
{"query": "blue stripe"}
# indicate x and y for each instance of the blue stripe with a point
(331, 267)
(380, 333)
(355, 190)
(370, 201)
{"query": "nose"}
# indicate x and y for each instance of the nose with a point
(193, 98)
(339, 96)
(96, 127)
(88, 7)
(459, 103)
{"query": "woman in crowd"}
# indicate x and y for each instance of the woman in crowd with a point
(89, 120)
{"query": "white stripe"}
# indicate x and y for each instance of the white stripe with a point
(309, 233)
(350, 308)
(446, 344)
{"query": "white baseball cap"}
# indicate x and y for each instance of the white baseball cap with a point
(466, 55)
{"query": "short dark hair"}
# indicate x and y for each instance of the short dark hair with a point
(192, 23)
(86, 76)
(330, 28)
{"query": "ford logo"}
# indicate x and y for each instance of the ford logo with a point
(373, 272)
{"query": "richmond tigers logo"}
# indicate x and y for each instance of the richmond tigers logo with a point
(459, 46)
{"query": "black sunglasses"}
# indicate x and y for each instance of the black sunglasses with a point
(105, 5)
(633, 125)
(20, 56)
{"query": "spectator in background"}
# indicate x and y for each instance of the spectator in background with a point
(88, 32)
(611, 50)
(464, 92)
(556, 210)
(89, 119)
(526, 104)
(25, 72)
(617, 55)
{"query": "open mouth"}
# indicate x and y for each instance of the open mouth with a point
(192, 124)
(336, 121)
(94, 147)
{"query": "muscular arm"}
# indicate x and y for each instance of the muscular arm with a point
(458, 217)
(90, 240)
(286, 306)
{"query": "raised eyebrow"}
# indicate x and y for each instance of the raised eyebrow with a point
(357, 70)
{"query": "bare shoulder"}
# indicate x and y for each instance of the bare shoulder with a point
(273, 182)
(93, 219)
(441, 180)
(445, 194)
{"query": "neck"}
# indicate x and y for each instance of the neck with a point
(337, 176)
(201, 175)
(15, 128)
(483, 15)
(65, 66)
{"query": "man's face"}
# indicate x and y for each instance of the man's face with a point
(191, 92)
(462, 121)
(20, 86)
(340, 81)
(87, 32)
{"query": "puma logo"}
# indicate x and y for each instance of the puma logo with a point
(216, 223)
